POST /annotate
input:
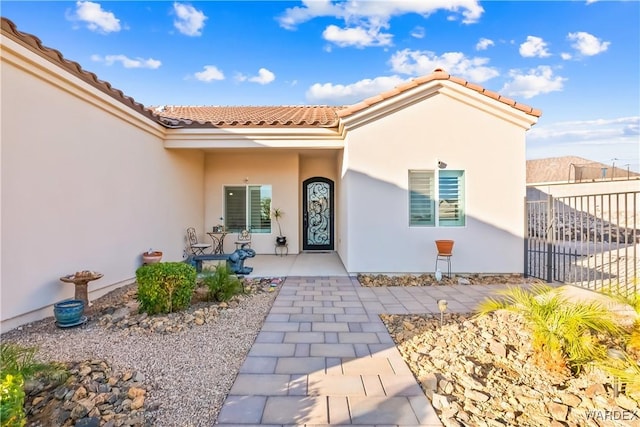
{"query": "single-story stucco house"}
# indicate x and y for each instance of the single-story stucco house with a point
(91, 179)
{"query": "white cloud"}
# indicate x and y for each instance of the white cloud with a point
(418, 63)
(264, 77)
(358, 36)
(337, 94)
(418, 32)
(484, 43)
(381, 11)
(585, 130)
(587, 44)
(534, 46)
(566, 56)
(364, 20)
(190, 21)
(310, 9)
(210, 73)
(128, 62)
(535, 82)
(96, 19)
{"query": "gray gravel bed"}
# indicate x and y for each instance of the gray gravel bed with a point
(191, 371)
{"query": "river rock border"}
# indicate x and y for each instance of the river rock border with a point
(92, 395)
(370, 280)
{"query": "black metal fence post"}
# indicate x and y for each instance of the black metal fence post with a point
(549, 238)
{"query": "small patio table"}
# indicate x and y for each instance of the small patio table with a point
(218, 241)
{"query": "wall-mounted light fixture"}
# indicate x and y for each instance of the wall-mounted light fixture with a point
(246, 180)
(441, 164)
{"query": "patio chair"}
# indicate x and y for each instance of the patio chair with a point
(196, 247)
(243, 240)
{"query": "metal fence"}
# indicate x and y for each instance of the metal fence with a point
(590, 241)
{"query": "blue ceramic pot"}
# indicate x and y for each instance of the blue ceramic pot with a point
(69, 311)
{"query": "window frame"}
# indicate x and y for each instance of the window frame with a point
(436, 189)
(264, 220)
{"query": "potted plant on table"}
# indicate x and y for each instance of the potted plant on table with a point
(277, 214)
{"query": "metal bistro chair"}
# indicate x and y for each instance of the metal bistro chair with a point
(196, 247)
(445, 252)
(243, 240)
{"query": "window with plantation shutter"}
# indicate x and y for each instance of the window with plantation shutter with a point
(421, 198)
(449, 193)
(451, 198)
(247, 207)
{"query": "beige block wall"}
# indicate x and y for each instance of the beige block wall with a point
(83, 189)
(254, 167)
(377, 159)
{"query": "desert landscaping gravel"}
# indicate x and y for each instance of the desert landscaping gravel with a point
(188, 373)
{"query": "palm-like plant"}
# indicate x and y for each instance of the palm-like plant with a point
(620, 293)
(564, 332)
(626, 371)
(277, 213)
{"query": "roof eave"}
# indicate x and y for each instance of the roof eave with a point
(373, 109)
(256, 137)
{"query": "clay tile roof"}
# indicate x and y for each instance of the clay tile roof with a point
(572, 168)
(263, 116)
(34, 44)
(438, 74)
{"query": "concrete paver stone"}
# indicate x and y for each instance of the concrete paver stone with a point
(324, 357)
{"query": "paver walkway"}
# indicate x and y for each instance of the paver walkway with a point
(323, 356)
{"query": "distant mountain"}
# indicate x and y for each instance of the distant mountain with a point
(571, 169)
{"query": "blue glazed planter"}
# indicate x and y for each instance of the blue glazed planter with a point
(68, 312)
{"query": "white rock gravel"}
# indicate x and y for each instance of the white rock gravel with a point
(191, 371)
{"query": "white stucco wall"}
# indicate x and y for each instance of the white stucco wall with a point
(254, 167)
(86, 184)
(375, 204)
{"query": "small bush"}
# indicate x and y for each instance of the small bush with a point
(221, 283)
(12, 400)
(165, 287)
(18, 363)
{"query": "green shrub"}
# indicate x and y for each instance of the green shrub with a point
(18, 363)
(564, 332)
(12, 400)
(165, 287)
(221, 283)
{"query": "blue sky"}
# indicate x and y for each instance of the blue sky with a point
(577, 61)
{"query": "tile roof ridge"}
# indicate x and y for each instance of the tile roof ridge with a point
(437, 74)
(33, 43)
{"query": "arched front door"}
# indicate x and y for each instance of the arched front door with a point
(317, 214)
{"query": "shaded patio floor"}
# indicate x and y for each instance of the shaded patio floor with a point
(316, 264)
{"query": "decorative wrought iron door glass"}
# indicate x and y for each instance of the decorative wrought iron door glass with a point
(318, 214)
